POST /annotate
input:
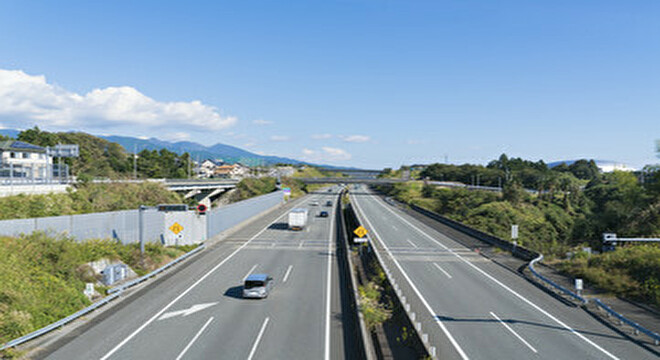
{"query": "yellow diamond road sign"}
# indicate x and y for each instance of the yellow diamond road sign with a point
(361, 231)
(176, 228)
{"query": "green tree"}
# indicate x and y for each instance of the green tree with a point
(513, 192)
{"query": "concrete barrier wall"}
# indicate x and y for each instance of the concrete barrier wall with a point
(226, 217)
(124, 225)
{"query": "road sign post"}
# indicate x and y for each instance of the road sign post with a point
(141, 228)
(360, 231)
(579, 286)
(514, 232)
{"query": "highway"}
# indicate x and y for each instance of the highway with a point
(483, 310)
(198, 312)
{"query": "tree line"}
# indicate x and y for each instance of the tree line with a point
(100, 158)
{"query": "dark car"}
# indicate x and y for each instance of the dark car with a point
(323, 214)
(328, 203)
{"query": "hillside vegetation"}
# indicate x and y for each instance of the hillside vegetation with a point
(42, 278)
(87, 198)
(560, 219)
(105, 159)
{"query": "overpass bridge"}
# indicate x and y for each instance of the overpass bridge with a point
(203, 190)
(351, 180)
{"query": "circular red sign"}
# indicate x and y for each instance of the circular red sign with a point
(201, 207)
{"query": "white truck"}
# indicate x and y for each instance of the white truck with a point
(298, 218)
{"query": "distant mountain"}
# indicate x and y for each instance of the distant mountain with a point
(10, 132)
(200, 152)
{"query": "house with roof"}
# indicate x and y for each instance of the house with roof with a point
(207, 167)
(235, 171)
(21, 160)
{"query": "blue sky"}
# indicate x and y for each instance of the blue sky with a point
(356, 82)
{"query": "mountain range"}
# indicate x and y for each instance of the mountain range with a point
(199, 152)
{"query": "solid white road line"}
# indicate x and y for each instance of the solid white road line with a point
(442, 326)
(194, 339)
(288, 271)
(328, 289)
(513, 332)
(443, 270)
(411, 243)
(132, 335)
(250, 272)
(538, 308)
(256, 341)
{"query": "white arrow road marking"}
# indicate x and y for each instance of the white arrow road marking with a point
(193, 309)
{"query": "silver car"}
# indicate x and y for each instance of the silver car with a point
(257, 286)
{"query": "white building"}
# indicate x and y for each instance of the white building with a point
(23, 161)
(236, 171)
(207, 167)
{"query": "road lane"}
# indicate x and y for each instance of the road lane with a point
(478, 287)
(299, 309)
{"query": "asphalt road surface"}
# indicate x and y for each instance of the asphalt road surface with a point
(198, 312)
(483, 310)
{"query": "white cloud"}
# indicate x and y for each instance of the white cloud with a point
(280, 138)
(321, 136)
(336, 154)
(262, 122)
(355, 138)
(143, 137)
(177, 136)
(25, 98)
(326, 154)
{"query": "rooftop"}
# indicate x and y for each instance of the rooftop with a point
(14, 145)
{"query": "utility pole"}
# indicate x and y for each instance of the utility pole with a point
(134, 161)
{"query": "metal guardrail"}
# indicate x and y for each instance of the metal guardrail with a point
(115, 293)
(517, 251)
(58, 323)
(365, 336)
(636, 326)
(134, 282)
(499, 242)
(437, 347)
(552, 283)
(598, 302)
